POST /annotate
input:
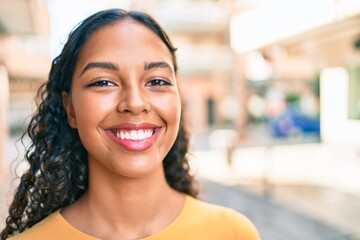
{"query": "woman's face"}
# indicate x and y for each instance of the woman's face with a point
(124, 100)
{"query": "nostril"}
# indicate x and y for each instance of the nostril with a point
(135, 107)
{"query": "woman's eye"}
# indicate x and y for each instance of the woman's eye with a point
(102, 83)
(159, 82)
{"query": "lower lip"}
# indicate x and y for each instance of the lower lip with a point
(135, 145)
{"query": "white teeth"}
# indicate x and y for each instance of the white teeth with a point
(141, 134)
(127, 135)
(134, 135)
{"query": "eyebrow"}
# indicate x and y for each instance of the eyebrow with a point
(105, 65)
(151, 65)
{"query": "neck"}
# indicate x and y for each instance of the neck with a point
(119, 196)
(126, 206)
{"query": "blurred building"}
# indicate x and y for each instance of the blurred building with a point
(24, 61)
(24, 36)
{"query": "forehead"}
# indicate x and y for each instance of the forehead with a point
(126, 38)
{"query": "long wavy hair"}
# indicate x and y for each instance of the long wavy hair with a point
(58, 172)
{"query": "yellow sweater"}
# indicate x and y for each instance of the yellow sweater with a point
(198, 220)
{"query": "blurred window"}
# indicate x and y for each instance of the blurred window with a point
(354, 93)
(211, 112)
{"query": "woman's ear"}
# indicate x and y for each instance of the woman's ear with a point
(67, 104)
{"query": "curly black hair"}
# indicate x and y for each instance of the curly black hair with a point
(58, 172)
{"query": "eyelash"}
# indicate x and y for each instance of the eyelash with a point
(158, 82)
(102, 83)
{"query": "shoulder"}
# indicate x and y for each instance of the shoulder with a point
(53, 227)
(39, 230)
(48, 227)
(222, 218)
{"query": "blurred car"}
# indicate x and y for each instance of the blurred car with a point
(292, 122)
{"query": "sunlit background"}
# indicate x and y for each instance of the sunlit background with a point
(271, 90)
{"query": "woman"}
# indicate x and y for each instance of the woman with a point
(108, 155)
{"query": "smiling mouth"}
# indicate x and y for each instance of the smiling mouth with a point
(133, 135)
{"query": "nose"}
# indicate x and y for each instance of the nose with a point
(133, 100)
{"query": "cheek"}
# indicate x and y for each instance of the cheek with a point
(90, 112)
(170, 109)
(171, 114)
(88, 107)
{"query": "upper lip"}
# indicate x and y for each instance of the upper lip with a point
(134, 126)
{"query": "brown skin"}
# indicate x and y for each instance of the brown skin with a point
(128, 196)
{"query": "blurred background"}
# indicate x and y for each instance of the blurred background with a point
(271, 90)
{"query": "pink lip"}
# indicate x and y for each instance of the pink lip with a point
(134, 145)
